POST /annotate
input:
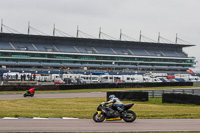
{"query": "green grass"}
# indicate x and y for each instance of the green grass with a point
(86, 107)
(101, 90)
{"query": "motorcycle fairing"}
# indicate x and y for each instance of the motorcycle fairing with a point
(128, 106)
(113, 119)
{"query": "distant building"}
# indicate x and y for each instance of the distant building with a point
(20, 51)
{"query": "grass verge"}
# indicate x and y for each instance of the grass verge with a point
(101, 90)
(86, 107)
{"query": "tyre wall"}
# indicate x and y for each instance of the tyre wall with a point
(91, 86)
(129, 95)
(180, 98)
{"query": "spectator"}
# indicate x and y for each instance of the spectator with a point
(31, 78)
(16, 77)
(28, 76)
(34, 77)
(24, 77)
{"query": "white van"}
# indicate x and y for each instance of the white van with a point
(90, 78)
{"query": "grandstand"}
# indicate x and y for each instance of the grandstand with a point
(22, 51)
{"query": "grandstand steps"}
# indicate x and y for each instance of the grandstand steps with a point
(130, 51)
(35, 47)
(56, 48)
(76, 49)
(95, 50)
(12, 45)
(147, 52)
(113, 50)
(162, 53)
(177, 53)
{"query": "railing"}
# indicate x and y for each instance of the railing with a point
(158, 93)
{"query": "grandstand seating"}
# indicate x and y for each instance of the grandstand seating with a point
(23, 46)
(182, 54)
(5, 46)
(92, 65)
(145, 66)
(85, 49)
(29, 63)
(71, 64)
(154, 52)
(51, 64)
(104, 50)
(8, 63)
(66, 48)
(129, 66)
(46, 47)
(170, 53)
(138, 52)
(121, 51)
(89, 49)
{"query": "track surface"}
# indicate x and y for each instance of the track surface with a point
(88, 125)
(54, 95)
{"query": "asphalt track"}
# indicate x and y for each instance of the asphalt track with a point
(54, 95)
(88, 125)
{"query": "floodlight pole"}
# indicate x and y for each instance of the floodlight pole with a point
(158, 37)
(140, 38)
(28, 27)
(77, 32)
(1, 25)
(176, 41)
(120, 36)
(54, 29)
(99, 32)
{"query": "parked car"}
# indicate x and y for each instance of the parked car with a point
(173, 80)
(118, 81)
(80, 81)
(70, 81)
(59, 81)
(164, 80)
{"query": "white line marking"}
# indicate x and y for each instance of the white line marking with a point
(68, 118)
(10, 118)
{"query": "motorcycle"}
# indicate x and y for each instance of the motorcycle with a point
(28, 94)
(110, 113)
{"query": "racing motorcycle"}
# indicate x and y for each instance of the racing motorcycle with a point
(28, 94)
(110, 113)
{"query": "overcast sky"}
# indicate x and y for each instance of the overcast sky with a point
(150, 16)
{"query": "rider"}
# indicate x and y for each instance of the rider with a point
(31, 90)
(116, 102)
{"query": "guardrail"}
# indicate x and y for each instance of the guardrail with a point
(158, 93)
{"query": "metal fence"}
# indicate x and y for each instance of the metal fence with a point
(158, 93)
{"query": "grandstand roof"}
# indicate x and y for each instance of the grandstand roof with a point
(82, 41)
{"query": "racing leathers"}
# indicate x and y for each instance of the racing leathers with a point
(32, 90)
(117, 103)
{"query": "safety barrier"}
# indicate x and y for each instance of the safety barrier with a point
(180, 98)
(95, 86)
(129, 95)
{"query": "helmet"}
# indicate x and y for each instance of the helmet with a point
(111, 96)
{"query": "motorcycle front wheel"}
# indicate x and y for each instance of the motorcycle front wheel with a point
(99, 117)
(129, 116)
(25, 95)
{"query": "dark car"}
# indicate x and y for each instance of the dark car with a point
(70, 81)
(80, 81)
(164, 80)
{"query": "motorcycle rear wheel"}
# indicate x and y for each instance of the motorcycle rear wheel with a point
(129, 116)
(99, 117)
